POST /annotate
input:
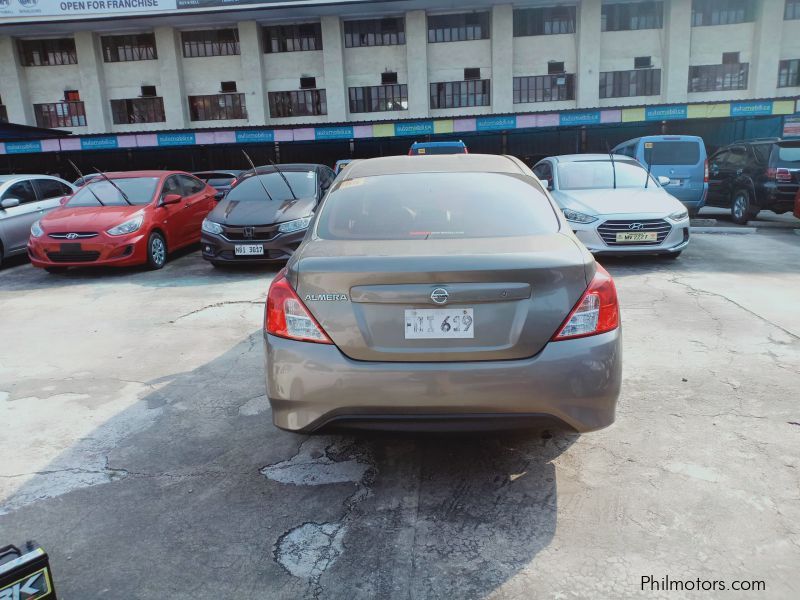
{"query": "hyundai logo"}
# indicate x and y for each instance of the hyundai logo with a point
(440, 296)
(249, 232)
(71, 236)
(636, 226)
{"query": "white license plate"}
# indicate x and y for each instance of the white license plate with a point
(439, 323)
(637, 236)
(248, 249)
(675, 181)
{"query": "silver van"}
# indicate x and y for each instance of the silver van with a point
(23, 200)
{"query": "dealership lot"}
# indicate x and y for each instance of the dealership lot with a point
(139, 451)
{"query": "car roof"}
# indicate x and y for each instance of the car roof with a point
(5, 178)
(283, 167)
(435, 163)
(662, 138)
(234, 172)
(589, 157)
(132, 174)
(447, 144)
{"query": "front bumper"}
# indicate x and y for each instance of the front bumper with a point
(575, 382)
(102, 250)
(675, 241)
(280, 248)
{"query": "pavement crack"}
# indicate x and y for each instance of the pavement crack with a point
(260, 302)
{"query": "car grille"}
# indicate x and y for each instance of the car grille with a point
(73, 256)
(257, 233)
(609, 230)
(75, 235)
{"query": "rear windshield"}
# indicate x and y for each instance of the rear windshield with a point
(600, 174)
(439, 150)
(249, 189)
(673, 153)
(436, 206)
(788, 154)
(218, 181)
(139, 190)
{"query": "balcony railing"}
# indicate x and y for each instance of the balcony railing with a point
(217, 107)
(60, 114)
(717, 78)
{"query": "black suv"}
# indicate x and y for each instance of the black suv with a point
(754, 175)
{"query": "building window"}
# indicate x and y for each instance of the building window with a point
(628, 16)
(717, 78)
(210, 42)
(60, 114)
(302, 103)
(547, 20)
(378, 98)
(624, 84)
(227, 87)
(138, 110)
(375, 32)
(216, 107)
(308, 83)
(148, 90)
(555, 67)
(544, 88)
(124, 48)
(642, 62)
(388, 77)
(42, 53)
(792, 10)
(458, 94)
(789, 73)
(3, 112)
(458, 28)
(293, 38)
(722, 12)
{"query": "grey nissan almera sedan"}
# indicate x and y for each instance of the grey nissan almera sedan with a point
(441, 292)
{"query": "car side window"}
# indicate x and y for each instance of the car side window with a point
(720, 159)
(544, 172)
(22, 191)
(191, 185)
(326, 177)
(737, 157)
(50, 188)
(171, 186)
(762, 152)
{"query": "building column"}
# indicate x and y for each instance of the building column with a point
(678, 36)
(170, 69)
(93, 82)
(766, 49)
(588, 39)
(14, 84)
(333, 61)
(253, 85)
(502, 58)
(417, 64)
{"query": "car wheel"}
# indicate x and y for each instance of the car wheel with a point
(156, 251)
(741, 209)
(55, 270)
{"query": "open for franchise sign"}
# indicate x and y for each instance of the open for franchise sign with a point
(65, 8)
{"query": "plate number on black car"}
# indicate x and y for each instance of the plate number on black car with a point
(439, 323)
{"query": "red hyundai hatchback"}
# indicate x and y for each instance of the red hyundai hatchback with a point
(122, 219)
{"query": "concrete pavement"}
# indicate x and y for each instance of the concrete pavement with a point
(138, 449)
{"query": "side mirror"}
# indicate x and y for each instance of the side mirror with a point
(219, 196)
(9, 203)
(663, 180)
(548, 183)
(171, 199)
(63, 200)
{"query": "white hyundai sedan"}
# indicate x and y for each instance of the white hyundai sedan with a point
(614, 206)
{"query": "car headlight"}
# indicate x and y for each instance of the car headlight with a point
(36, 229)
(679, 215)
(577, 217)
(296, 225)
(211, 227)
(127, 227)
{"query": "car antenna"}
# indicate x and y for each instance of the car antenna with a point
(78, 171)
(613, 165)
(286, 181)
(255, 173)
(648, 146)
(119, 189)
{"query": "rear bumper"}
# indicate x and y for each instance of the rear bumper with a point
(575, 382)
(222, 250)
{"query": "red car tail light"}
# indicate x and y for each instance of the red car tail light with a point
(288, 317)
(596, 312)
(705, 172)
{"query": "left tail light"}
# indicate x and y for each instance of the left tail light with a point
(288, 317)
(596, 312)
(705, 171)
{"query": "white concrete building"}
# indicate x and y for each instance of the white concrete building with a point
(194, 65)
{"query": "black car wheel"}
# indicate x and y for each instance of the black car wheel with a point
(741, 208)
(156, 251)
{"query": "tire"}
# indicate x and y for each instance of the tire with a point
(156, 251)
(55, 270)
(741, 207)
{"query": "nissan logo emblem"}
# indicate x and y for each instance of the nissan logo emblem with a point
(72, 236)
(635, 226)
(440, 296)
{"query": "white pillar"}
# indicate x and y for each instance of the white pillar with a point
(766, 49)
(254, 86)
(502, 58)
(678, 36)
(171, 88)
(93, 86)
(417, 64)
(14, 84)
(333, 61)
(588, 39)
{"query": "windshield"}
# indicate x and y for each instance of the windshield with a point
(304, 184)
(674, 153)
(140, 190)
(436, 205)
(599, 174)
